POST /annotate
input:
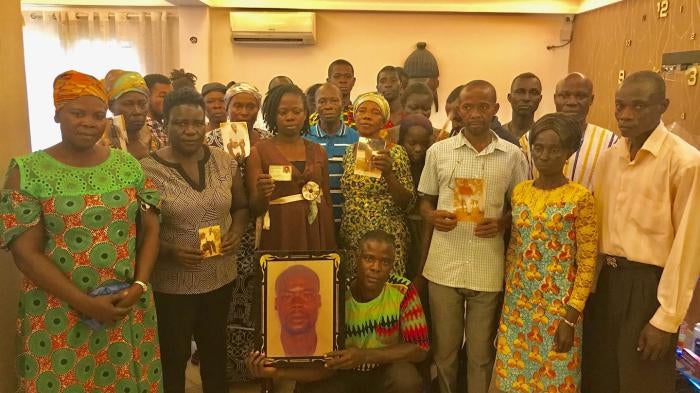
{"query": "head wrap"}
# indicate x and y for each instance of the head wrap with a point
(415, 120)
(73, 84)
(119, 82)
(373, 97)
(239, 88)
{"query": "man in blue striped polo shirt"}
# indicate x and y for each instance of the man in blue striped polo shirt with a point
(331, 133)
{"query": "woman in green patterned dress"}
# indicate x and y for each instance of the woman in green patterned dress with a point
(68, 216)
(376, 203)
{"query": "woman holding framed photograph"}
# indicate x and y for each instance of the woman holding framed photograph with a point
(204, 210)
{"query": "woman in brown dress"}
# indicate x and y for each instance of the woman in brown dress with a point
(294, 212)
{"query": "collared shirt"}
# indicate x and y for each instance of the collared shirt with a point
(581, 166)
(457, 258)
(648, 209)
(335, 146)
(160, 137)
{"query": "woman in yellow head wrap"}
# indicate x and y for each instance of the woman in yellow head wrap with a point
(129, 96)
(376, 203)
(68, 215)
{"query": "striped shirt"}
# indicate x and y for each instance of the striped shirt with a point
(458, 258)
(581, 165)
(394, 317)
(335, 146)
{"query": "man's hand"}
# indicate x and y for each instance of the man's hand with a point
(346, 359)
(654, 343)
(259, 366)
(443, 220)
(488, 227)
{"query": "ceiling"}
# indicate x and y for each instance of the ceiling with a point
(485, 6)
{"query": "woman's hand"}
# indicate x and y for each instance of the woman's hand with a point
(382, 160)
(563, 337)
(133, 295)
(230, 242)
(185, 256)
(265, 185)
(106, 309)
(258, 366)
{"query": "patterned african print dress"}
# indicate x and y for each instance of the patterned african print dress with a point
(241, 330)
(89, 215)
(550, 264)
(369, 206)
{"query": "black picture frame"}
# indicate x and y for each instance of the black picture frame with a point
(327, 265)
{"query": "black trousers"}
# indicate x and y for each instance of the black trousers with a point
(180, 317)
(622, 306)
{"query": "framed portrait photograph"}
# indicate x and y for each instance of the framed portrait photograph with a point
(302, 298)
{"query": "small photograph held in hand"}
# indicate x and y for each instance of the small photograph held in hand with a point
(235, 138)
(210, 241)
(469, 199)
(280, 172)
(366, 149)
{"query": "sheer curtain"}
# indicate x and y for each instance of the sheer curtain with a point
(93, 41)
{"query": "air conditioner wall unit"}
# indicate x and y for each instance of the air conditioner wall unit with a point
(276, 28)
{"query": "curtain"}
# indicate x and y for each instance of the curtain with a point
(93, 41)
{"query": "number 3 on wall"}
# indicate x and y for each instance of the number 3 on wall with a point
(662, 8)
(692, 74)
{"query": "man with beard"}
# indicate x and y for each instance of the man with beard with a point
(389, 85)
(524, 97)
(213, 94)
(335, 136)
(297, 301)
(574, 96)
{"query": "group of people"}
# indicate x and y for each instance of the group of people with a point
(539, 255)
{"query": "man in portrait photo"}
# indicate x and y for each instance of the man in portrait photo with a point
(297, 301)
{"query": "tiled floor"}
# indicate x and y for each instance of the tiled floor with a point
(193, 384)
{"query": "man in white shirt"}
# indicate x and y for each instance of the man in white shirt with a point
(574, 96)
(464, 264)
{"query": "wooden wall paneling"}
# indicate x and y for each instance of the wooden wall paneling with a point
(631, 36)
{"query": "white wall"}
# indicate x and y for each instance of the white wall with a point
(467, 46)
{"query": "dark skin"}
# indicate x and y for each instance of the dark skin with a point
(416, 142)
(82, 122)
(342, 76)
(375, 260)
(549, 156)
(638, 109)
(155, 104)
(291, 115)
(244, 107)
(215, 109)
(297, 303)
(574, 96)
(524, 97)
(329, 108)
(134, 107)
(186, 129)
(369, 122)
(477, 106)
(389, 85)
